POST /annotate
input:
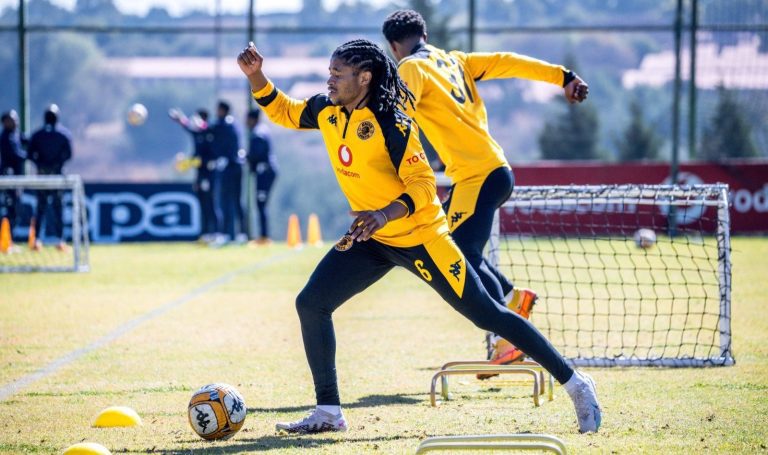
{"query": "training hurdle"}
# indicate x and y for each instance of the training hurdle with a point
(474, 367)
(539, 442)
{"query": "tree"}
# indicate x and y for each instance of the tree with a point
(574, 134)
(728, 134)
(640, 141)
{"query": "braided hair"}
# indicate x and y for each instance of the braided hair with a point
(403, 24)
(387, 90)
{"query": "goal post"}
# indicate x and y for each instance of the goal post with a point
(22, 255)
(609, 298)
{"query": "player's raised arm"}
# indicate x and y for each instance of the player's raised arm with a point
(279, 107)
(499, 65)
(251, 63)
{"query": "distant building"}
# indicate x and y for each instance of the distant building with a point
(147, 70)
(740, 67)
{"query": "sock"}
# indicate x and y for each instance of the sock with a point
(571, 385)
(330, 409)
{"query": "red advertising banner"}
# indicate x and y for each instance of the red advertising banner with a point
(747, 180)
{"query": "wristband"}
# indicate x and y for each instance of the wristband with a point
(568, 77)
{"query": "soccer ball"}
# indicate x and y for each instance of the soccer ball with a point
(137, 114)
(645, 238)
(216, 411)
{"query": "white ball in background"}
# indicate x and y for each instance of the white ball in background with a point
(645, 238)
(137, 114)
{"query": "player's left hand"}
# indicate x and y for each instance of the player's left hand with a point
(366, 223)
(576, 91)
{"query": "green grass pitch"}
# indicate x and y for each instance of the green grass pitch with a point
(188, 316)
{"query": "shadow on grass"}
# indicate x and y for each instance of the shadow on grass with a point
(369, 401)
(276, 442)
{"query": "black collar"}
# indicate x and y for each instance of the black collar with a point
(419, 46)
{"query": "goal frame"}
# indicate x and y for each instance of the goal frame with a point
(80, 238)
(640, 194)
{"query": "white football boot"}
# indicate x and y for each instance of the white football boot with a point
(317, 421)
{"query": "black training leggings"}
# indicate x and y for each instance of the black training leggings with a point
(474, 232)
(342, 274)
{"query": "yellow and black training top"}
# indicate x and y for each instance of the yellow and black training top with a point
(377, 158)
(449, 109)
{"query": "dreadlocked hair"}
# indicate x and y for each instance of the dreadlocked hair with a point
(387, 90)
(403, 24)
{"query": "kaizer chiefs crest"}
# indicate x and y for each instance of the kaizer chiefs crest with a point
(344, 244)
(365, 130)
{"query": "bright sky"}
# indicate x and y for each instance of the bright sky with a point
(176, 7)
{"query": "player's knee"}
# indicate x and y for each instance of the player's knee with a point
(309, 302)
(304, 302)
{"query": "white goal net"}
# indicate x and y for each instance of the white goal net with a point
(615, 288)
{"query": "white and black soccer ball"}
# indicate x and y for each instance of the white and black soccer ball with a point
(216, 411)
(645, 238)
(137, 114)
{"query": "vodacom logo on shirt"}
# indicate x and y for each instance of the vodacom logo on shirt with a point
(345, 155)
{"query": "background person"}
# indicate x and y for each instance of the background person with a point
(228, 189)
(263, 164)
(49, 148)
(12, 158)
(202, 138)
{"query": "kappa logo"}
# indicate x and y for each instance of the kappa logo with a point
(402, 123)
(365, 130)
(455, 269)
(345, 155)
(456, 217)
(332, 119)
(344, 243)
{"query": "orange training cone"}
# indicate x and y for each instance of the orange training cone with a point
(293, 239)
(314, 237)
(32, 234)
(5, 235)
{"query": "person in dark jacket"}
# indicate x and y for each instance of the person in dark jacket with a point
(49, 148)
(198, 127)
(227, 193)
(262, 162)
(12, 157)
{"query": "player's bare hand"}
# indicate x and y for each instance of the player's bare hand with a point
(250, 60)
(576, 91)
(366, 223)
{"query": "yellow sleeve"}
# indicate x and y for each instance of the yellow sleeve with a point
(500, 65)
(411, 164)
(414, 78)
(287, 111)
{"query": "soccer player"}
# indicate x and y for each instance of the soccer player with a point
(382, 170)
(452, 115)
